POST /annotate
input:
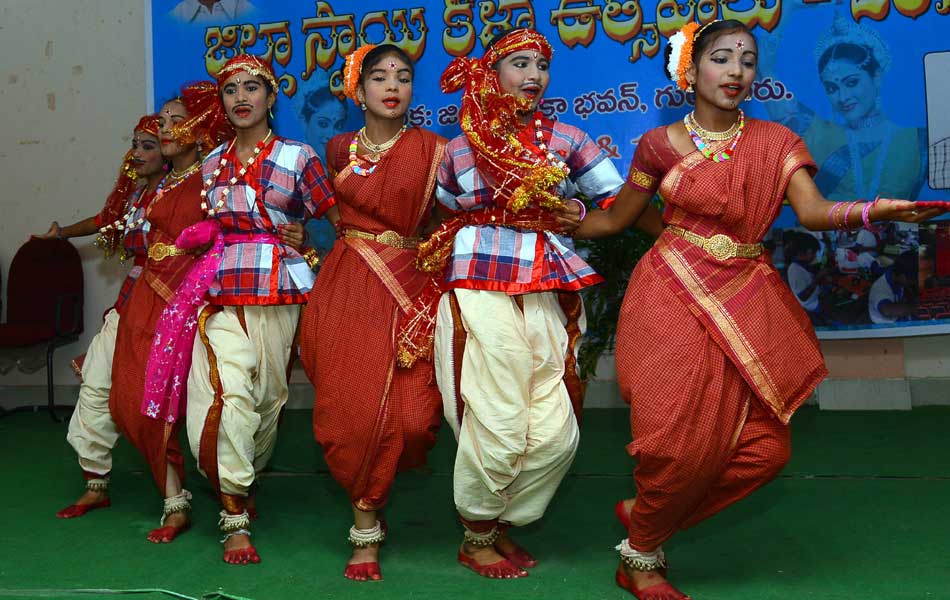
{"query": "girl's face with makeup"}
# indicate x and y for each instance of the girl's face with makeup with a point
(722, 76)
(525, 74)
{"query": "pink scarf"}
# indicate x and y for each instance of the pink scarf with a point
(169, 361)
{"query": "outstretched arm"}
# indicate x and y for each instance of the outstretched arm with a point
(816, 213)
(78, 229)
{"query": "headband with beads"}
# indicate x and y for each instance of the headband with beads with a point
(352, 69)
(250, 64)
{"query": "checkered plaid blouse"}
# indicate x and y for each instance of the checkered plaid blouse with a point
(295, 187)
(513, 260)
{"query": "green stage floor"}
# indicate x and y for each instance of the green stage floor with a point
(861, 512)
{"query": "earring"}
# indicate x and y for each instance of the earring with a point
(748, 98)
(689, 88)
(270, 113)
(363, 106)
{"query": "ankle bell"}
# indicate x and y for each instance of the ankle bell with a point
(361, 538)
(641, 561)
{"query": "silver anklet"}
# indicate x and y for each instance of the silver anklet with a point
(641, 561)
(361, 538)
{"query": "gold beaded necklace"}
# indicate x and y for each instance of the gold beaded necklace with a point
(712, 136)
(376, 150)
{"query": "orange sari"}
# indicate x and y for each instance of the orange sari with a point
(371, 417)
(156, 440)
(713, 356)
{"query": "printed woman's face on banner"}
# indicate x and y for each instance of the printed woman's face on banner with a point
(324, 120)
(852, 91)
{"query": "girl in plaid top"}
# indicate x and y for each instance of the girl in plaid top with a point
(254, 186)
(506, 331)
(92, 432)
(714, 353)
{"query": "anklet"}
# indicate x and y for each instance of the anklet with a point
(361, 538)
(177, 503)
(235, 532)
(641, 561)
(233, 524)
(487, 538)
(99, 484)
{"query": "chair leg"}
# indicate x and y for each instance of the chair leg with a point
(51, 401)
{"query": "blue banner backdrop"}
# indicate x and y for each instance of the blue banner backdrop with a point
(855, 80)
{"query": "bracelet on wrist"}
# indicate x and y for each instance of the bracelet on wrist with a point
(583, 208)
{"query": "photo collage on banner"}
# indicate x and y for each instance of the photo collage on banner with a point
(863, 83)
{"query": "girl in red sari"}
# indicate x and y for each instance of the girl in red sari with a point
(710, 430)
(92, 433)
(175, 206)
(387, 418)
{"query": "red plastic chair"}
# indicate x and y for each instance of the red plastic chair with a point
(44, 302)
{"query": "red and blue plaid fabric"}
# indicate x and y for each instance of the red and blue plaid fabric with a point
(513, 260)
(295, 187)
(135, 247)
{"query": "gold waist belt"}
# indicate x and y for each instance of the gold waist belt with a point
(720, 246)
(390, 238)
(159, 251)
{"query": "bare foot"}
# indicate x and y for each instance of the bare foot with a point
(364, 564)
(175, 524)
(642, 580)
(238, 550)
(488, 562)
(90, 500)
(92, 497)
(514, 552)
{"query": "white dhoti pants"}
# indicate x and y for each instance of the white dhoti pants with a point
(92, 432)
(242, 411)
(518, 434)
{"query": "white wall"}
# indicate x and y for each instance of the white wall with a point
(72, 86)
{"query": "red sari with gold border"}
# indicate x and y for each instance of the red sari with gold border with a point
(713, 356)
(371, 416)
(177, 209)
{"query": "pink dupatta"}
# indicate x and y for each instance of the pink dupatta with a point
(170, 358)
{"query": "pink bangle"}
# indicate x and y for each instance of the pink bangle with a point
(583, 208)
(866, 214)
(847, 216)
(831, 215)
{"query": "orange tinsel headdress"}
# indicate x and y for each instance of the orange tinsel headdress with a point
(125, 184)
(352, 69)
(206, 122)
(489, 119)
